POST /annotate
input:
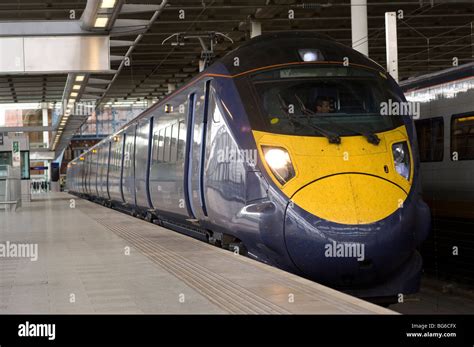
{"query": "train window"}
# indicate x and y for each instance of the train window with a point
(181, 141)
(174, 143)
(127, 157)
(462, 136)
(430, 133)
(160, 145)
(118, 153)
(167, 144)
(154, 150)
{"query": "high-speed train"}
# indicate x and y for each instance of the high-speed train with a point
(278, 150)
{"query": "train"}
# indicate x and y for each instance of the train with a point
(445, 131)
(278, 151)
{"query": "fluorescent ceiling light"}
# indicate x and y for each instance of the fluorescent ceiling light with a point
(101, 22)
(74, 94)
(79, 78)
(76, 87)
(107, 4)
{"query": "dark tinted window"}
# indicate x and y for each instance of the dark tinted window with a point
(168, 143)
(462, 136)
(430, 133)
(347, 101)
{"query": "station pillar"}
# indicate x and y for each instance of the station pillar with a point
(171, 88)
(255, 29)
(360, 38)
(45, 122)
(202, 65)
(391, 44)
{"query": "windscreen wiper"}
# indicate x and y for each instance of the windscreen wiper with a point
(332, 137)
(371, 137)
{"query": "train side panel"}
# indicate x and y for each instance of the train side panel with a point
(115, 168)
(94, 171)
(142, 142)
(167, 160)
(103, 169)
(195, 155)
(128, 166)
(87, 177)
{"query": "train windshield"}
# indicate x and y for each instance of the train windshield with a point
(311, 100)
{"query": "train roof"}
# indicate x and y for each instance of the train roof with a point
(439, 77)
(284, 47)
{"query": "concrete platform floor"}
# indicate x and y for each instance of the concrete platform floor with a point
(96, 260)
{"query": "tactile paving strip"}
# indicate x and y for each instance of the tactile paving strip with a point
(226, 294)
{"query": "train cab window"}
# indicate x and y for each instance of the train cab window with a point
(462, 136)
(430, 133)
(343, 100)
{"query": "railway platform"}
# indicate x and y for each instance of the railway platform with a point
(62, 255)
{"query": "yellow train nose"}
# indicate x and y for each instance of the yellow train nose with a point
(351, 198)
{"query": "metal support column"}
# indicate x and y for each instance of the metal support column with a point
(391, 44)
(360, 38)
(255, 29)
(202, 65)
(171, 88)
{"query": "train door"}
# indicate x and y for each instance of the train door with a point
(114, 177)
(102, 172)
(86, 173)
(142, 162)
(107, 162)
(195, 153)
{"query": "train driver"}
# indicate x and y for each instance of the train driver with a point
(323, 105)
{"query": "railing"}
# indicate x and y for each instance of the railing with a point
(10, 187)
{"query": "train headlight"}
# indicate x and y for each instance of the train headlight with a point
(310, 55)
(279, 162)
(401, 159)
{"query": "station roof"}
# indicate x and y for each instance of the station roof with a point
(430, 34)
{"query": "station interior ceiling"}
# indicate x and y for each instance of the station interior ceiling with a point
(430, 34)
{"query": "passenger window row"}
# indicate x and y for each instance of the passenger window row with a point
(169, 143)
